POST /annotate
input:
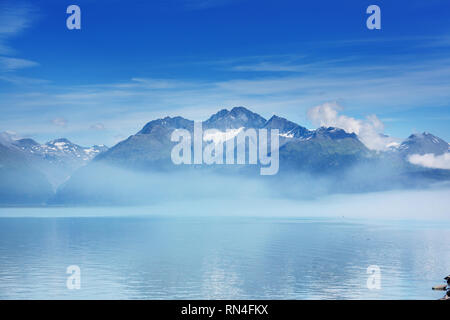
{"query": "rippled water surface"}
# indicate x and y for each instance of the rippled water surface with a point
(221, 258)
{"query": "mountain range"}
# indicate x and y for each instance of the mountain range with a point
(66, 173)
(150, 148)
(26, 165)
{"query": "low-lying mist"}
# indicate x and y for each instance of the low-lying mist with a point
(356, 193)
(431, 204)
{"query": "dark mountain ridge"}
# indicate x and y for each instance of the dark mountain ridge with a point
(327, 160)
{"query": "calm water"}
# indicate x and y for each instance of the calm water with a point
(221, 258)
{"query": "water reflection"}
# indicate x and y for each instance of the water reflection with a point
(219, 258)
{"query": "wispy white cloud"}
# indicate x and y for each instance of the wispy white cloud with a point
(370, 130)
(286, 63)
(151, 83)
(270, 67)
(12, 64)
(15, 17)
(124, 106)
(60, 122)
(97, 126)
(22, 81)
(430, 160)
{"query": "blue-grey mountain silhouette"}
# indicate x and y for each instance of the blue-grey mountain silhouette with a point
(330, 160)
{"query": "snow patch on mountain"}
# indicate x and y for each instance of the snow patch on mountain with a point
(288, 135)
(58, 150)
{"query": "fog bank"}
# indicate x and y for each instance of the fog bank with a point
(398, 205)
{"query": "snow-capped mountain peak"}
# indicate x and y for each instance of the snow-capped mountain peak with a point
(423, 143)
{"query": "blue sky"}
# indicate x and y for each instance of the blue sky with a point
(135, 61)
